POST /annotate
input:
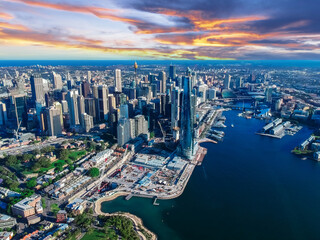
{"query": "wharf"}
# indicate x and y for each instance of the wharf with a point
(270, 135)
(200, 155)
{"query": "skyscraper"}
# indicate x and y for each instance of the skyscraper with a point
(37, 89)
(187, 120)
(53, 121)
(57, 81)
(123, 131)
(86, 122)
(175, 107)
(73, 107)
(117, 80)
(226, 82)
(100, 93)
(163, 78)
(172, 72)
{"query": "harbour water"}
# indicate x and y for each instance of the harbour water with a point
(248, 187)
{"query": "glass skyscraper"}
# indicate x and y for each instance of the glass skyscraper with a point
(187, 120)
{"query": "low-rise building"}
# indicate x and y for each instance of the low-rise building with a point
(6, 235)
(28, 206)
(62, 216)
(7, 221)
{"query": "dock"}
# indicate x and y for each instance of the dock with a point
(128, 197)
(155, 203)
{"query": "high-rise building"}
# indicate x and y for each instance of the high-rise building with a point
(141, 125)
(54, 121)
(163, 78)
(172, 72)
(64, 104)
(57, 81)
(86, 122)
(226, 82)
(37, 88)
(187, 120)
(117, 80)
(89, 77)
(73, 107)
(268, 94)
(124, 111)
(81, 106)
(123, 131)
(3, 114)
(112, 102)
(58, 106)
(175, 108)
(90, 107)
(100, 93)
(85, 88)
(212, 93)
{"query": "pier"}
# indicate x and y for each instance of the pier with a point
(155, 203)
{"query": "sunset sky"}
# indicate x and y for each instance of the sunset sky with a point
(160, 29)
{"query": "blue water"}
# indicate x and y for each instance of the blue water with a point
(248, 187)
(257, 63)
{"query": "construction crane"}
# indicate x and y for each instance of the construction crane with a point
(17, 131)
(163, 132)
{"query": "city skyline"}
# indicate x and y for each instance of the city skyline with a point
(203, 30)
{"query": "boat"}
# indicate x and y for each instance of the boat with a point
(232, 125)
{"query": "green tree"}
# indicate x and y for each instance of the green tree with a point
(94, 172)
(31, 183)
(27, 157)
(11, 161)
(63, 154)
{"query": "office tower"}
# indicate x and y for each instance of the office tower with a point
(239, 82)
(37, 89)
(187, 120)
(226, 82)
(141, 125)
(54, 121)
(212, 93)
(117, 80)
(175, 108)
(81, 106)
(112, 102)
(124, 111)
(58, 106)
(90, 107)
(100, 93)
(172, 72)
(16, 108)
(73, 107)
(132, 128)
(86, 122)
(89, 78)
(64, 104)
(163, 78)
(85, 88)
(122, 99)
(123, 131)
(268, 94)
(3, 114)
(278, 104)
(202, 92)
(57, 81)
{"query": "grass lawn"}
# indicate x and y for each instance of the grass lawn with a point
(100, 234)
(76, 155)
(96, 234)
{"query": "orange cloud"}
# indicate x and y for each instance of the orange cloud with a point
(12, 26)
(5, 15)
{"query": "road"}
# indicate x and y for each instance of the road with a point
(28, 148)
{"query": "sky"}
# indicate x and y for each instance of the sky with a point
(160, 29)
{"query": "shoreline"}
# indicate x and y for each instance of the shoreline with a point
(137, 222)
